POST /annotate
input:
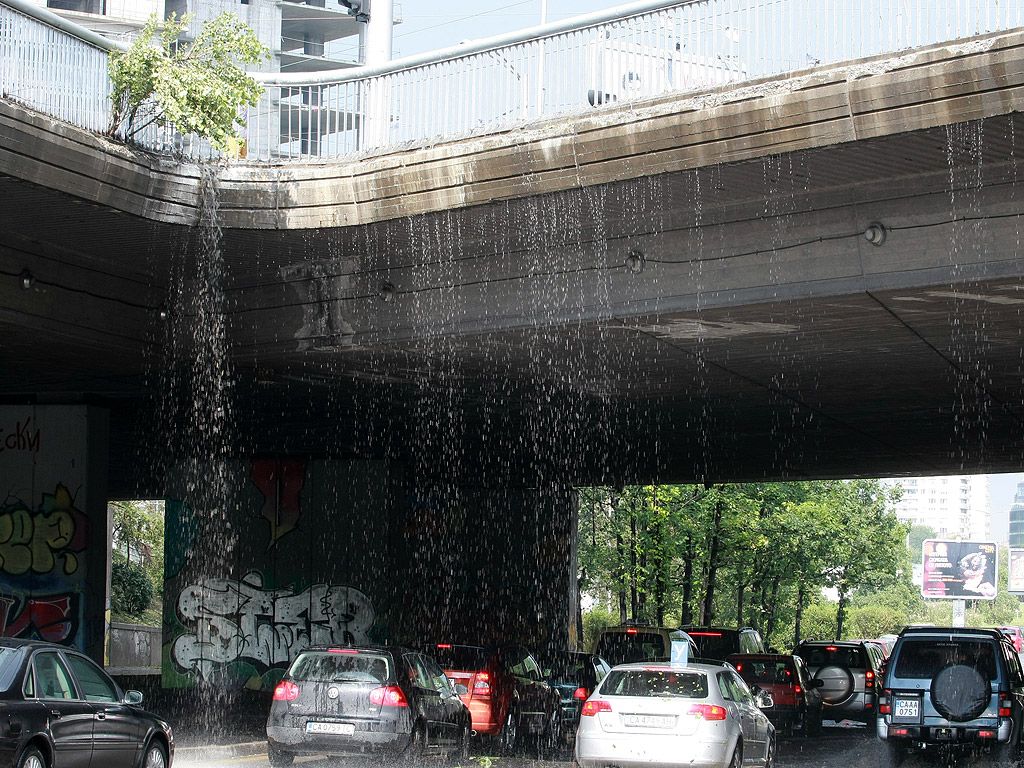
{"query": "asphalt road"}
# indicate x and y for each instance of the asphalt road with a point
(845, 745)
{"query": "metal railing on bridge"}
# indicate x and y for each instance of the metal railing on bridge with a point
(615, 57)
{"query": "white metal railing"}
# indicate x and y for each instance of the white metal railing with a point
(618, 56)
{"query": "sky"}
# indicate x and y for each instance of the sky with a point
(428, 26)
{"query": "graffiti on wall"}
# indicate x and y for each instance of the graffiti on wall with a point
(50, 617)
(232, 620)
(279, 481)
(50, 540)
(22, 437)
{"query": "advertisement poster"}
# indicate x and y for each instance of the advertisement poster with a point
(959, 570)
(1016, 585)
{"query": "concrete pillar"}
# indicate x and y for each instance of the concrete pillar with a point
(54, 529)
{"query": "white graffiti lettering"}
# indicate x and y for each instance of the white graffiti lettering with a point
(239, 620)
(21, 438)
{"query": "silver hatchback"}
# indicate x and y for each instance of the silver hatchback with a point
(693, 715)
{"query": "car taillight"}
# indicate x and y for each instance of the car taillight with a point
(797, 689)
(482, 682)
(286, 691)
(869, 675)
(388, 696)
(1004, 707)
(581, 693)
(707, 711)
(592, 707)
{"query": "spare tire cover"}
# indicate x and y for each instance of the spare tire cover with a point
(838, 683)
(960, 692)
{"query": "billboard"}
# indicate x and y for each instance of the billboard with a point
(959, 570)
(1016, 585)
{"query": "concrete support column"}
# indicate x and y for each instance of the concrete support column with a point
(54, 528)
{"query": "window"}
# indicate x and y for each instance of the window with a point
(689, 684)
(96, 686)
(52, 679)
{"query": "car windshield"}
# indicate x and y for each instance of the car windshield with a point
(328, 666)
(831, 655)
(566, 667)
(690, 684)
(465, 658)
(923, 659)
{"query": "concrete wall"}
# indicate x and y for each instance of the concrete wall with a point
(54, 530)
(134, 649)
(328, 552)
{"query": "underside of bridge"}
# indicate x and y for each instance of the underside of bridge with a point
(845, 304)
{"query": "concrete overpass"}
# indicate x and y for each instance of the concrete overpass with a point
(811, 277)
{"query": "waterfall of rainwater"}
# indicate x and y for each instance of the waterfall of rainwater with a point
(195, 431)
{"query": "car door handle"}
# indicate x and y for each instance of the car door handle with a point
(101, 715)
(55, 713)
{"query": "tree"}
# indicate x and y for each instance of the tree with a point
(196, 87)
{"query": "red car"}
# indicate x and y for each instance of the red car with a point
(798, 704)
(505, 692)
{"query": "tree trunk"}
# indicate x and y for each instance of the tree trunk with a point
(623, 616)
(799, 615)
(841, 613)
(686, 612)
(709, 595)
(740, 591)
(632, 562)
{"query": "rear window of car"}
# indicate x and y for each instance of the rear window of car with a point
(626, 647)
(10, 663)
(923, 659)
(766, 672)
(714, 644)
(465, 658)
(335, 667)
(689, 684)
(833, 655)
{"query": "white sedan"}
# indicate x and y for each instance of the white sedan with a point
(692, 715)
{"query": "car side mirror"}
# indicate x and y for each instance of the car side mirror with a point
(461, 689)
(763, 699)
(132, 697)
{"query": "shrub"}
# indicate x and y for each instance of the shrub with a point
(131, 590)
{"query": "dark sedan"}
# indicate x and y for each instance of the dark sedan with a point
(575, 676)
(59, 709)
(366, 700)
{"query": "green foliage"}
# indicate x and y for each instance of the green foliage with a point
(131, 590)
(753, 554)
(916, 538)
(819, 622)
(874, 620)
(197, 87)
(594, 621)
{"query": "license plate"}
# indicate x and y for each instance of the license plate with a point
(906, 708)
(648, 721)
(341, 729)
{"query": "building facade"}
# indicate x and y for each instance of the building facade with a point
(1017, 518)
(955, 506)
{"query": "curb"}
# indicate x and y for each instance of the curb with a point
(209, 752)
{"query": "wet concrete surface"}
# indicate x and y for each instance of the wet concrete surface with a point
(844, 745)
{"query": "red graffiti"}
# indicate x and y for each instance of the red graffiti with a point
(280, 481)
(53, 618)
(21, 438)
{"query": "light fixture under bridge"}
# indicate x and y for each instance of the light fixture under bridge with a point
(875, 233)
(635, 262)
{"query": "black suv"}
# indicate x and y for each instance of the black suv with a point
(719, 642)
(948, 688)
(851, 674)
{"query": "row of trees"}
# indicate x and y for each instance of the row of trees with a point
(750, 554)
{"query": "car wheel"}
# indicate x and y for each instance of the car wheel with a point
(509, 732)
(278, 756)
(156, 756)
(553, 735)
(737, 756)
(32, 758)
(417, 748)
(769, 755)
(460, 755)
